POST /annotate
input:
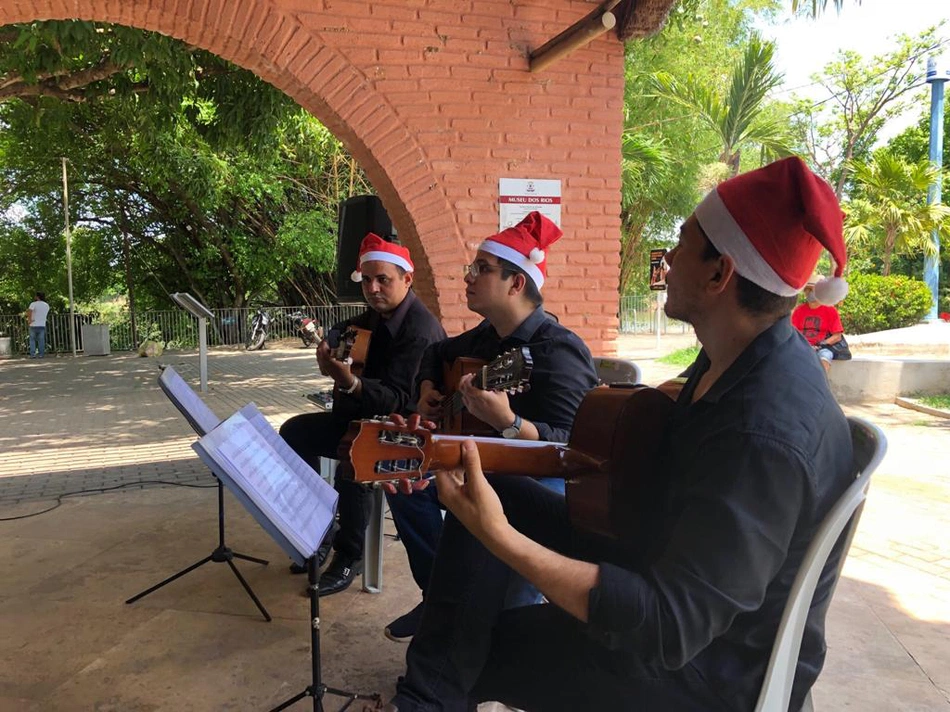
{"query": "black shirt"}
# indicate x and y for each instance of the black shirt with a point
(561, 375)
(753, 466)
(395, 349)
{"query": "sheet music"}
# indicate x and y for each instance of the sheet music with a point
(196, 412)
(284, 488)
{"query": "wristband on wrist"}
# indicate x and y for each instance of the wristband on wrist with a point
(351, 389)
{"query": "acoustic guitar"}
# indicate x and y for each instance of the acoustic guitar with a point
(610, 456)
(509, 372)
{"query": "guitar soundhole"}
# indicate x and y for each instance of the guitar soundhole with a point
(397, 467)
(395, 437)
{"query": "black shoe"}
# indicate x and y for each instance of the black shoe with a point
(339, 574)
(322, 553)
(403, 628)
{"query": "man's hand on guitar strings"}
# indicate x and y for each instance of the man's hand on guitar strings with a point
(323, 356)
(405, 485)
(430, 401)
(488, 406)
(468, 495)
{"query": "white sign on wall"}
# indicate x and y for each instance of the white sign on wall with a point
(519, 196)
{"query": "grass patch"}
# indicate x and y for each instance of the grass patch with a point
(681, 357)
(941, 401)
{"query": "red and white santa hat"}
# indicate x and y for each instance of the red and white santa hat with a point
(525, 245)
(774, 222)
(373, 247)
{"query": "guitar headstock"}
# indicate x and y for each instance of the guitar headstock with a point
(380, 451)
(510, 372)
(345, 346)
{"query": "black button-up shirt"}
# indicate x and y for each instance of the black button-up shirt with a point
(395, 349)
(562, 371)
(753, 466)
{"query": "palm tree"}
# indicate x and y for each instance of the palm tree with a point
(735, 117)
(890, 209)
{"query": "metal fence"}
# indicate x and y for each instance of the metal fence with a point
(179, 330)
(175, 327)
(638, 316)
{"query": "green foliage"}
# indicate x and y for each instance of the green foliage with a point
(941, 402)
(862, 96)
(876, 303)
(888, 214)
(681, 357)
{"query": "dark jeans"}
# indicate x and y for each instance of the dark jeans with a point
(467, 650)
(316, 435)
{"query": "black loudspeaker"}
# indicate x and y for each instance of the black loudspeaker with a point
(356, 217)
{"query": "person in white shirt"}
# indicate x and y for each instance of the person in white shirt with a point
(36, 317)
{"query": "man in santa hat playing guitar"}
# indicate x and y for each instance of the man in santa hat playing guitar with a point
(755, 453)
(399, 327)
(502, 284)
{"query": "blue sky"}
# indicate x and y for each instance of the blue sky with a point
(805, 45)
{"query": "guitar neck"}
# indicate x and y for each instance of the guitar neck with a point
(513, 457)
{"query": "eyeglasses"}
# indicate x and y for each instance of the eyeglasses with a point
(477, 268)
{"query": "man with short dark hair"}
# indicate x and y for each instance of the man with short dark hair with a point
(503, 285)
(402, 327)
(682, 616)
(36, 315)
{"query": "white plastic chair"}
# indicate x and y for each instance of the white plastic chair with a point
(616, 370)
(869, 447)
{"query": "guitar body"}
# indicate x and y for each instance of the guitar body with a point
(623, 426)
(461, 422)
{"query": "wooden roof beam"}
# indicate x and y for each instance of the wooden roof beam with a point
(577, 35)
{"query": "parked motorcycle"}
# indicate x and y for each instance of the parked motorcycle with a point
(257, 332)
(308, 329)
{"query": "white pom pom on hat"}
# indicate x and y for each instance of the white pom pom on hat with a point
(536, 256)
(356, 275)
(831, 290)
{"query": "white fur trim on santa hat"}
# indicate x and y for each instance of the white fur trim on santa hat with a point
(380, 256)
(831, 290)
(725, 234)
(512, 255)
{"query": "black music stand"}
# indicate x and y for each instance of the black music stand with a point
(317, 689)
(200, 417)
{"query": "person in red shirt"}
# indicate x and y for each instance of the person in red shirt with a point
(819, 323)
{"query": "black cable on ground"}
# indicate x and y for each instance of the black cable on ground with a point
(99, 490)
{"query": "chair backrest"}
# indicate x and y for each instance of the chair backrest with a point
(869, 447)
(616, 370)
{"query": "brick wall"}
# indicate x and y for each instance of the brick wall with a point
(434, 99)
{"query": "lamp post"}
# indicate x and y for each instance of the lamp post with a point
(936, 78)
(69, 263)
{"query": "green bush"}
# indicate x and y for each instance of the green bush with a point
(876, 303)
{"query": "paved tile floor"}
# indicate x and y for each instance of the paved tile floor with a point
(68, 642)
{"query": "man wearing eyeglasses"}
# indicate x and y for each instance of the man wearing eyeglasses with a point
(401, 328)
(503, 285)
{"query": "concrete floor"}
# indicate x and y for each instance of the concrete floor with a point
(69, 642)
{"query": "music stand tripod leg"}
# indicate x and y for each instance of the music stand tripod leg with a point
(220, 554)
(316, 689)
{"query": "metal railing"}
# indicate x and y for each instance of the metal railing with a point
(179, 330)
(638, 316)
(176, 328)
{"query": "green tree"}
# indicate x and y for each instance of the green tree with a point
(889, 213)
(862, 95)
(735, 115)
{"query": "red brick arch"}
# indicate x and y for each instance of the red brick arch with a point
(434, 99)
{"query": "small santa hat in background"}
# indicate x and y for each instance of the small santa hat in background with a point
(774, 222)
(525, 245)
(373, 247)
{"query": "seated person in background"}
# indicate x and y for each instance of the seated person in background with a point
(503, 285)
(683, 615)
(819, 323)
(402, 327)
